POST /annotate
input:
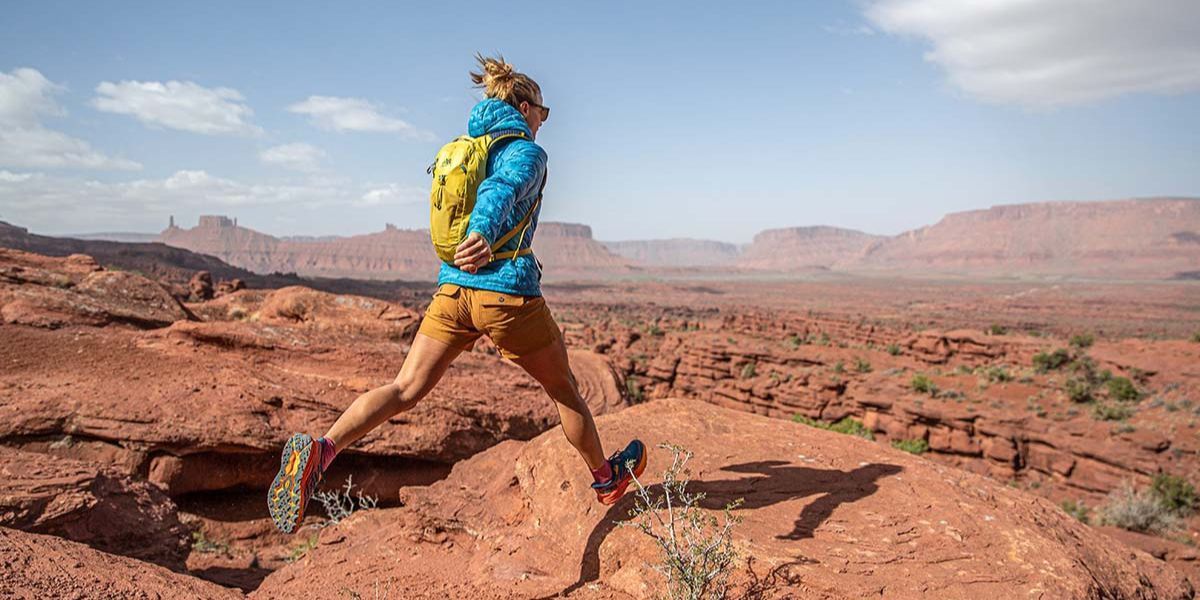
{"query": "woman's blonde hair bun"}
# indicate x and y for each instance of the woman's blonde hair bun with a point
(499, 80)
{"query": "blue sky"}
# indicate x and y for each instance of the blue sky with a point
(704, 120)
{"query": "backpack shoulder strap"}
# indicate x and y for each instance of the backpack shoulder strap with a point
(521, 227)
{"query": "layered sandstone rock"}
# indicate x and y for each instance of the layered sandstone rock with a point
(825, 516)
(41, 566)
(90, 504)
(53, 292)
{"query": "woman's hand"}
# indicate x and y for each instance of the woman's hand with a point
(473, 253)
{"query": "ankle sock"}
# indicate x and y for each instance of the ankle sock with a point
(328, 452)
(604, 474)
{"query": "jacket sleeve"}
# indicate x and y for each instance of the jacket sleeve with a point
(519, 170)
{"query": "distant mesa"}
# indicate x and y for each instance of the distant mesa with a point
(566, 249)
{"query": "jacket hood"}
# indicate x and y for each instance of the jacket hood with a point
(492, 115)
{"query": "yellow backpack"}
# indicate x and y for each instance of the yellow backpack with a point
(457, 171)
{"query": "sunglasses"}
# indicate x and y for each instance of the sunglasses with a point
(545, 110)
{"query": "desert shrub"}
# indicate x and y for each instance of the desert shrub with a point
(340, 504)
(996, 374)
(997, 330)
(1111, 411)
(916, 446)
(893, 349)
(655, 330)
(921, 383)
(1175, 493)
(749, 369)
(861, 365)
(201, 543)
(634, 389)
(1122, 389)
(847, 425)
(1081, 341)
(839, 367)
(298, 551)
(1137, 510)
(1079, 510)
(696, 548)
(1196, 337)
(1045, 362)
(793, 341)
(1078, 390)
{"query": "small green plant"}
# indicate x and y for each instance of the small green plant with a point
(1079, 510)
(298, 551)
(1111, 411)
(1196, 337)
(201, 543)
(996, 374)
(1078, 390)
(340, 504)
(749, 370)
(793, 341)
(997, 330)
(633, 390)
(847, 425)
(893, 349)
(1137, 510)
(921, 383)
(1123, 390)
(861, 365)
(915, 446)
(655, 330)
(1044, 362)
(1081, 341)
(839, 367)
(1175, 493)
(696, 548)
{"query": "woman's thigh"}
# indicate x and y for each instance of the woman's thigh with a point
(425, 364)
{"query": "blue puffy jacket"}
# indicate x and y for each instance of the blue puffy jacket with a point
(514, 174)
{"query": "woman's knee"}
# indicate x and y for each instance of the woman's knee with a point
(408, 391)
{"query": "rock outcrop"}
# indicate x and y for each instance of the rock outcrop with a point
(824, 516)
(90, 504)
(34, 566)
(53, 292)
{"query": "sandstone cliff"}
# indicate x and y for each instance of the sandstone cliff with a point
(679, 252)
(795, 248)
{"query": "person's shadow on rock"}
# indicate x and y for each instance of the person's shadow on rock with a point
(774, 481)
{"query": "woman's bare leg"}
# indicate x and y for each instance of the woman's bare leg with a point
(550, 367)
(424, 366)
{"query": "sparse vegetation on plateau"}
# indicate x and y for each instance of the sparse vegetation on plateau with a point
(997, 330)
(1196, 337)
(1175, 493)
(1123, 390)
(1111, 411)
(749, 370)
(893, 349)
(1044, 362)
(634, 389)
(1081, 341)
(861, 365)
(697, 548)
(1137, 510)
(201, 543)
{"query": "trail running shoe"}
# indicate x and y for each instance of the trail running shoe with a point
(299, 475)
(633, 457)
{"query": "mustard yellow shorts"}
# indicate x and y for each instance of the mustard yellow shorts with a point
(518, 325)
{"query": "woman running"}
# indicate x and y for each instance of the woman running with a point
(479, 294)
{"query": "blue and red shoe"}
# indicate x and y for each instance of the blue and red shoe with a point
(626, 465)
(298, 478)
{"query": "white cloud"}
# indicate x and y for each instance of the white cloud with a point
(46, 202)
(393, 193)
(181, 105)
(350, 114)
(1041, 54)
(843, 29)
(298, 156)
(25, 97)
